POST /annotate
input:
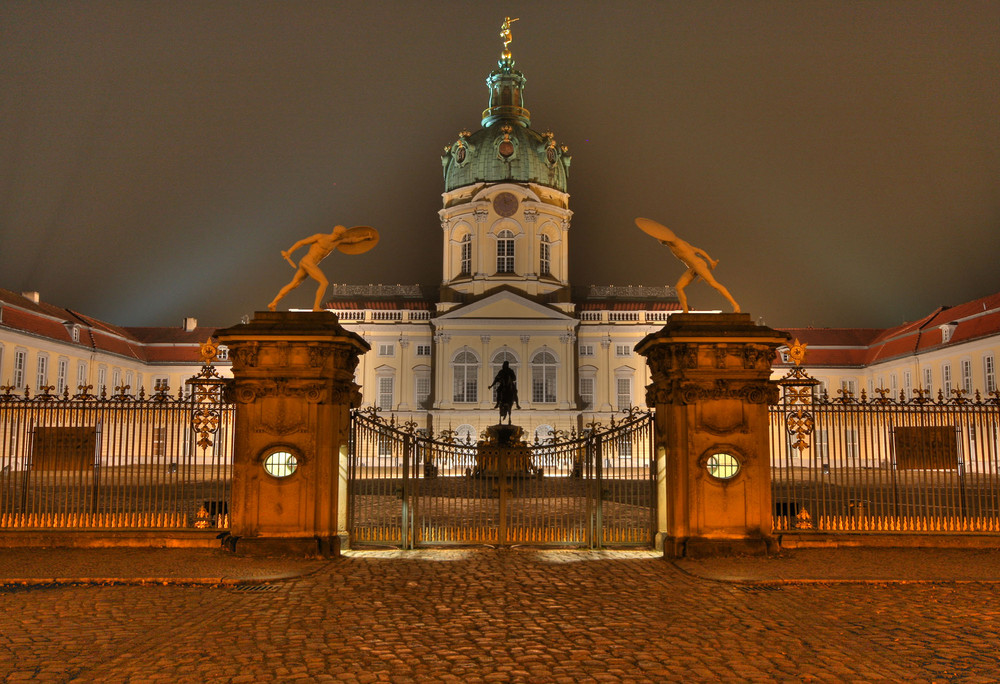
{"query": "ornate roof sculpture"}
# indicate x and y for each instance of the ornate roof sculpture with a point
(506, 148)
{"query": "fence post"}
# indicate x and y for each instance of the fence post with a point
(293, 384)
(710, 390)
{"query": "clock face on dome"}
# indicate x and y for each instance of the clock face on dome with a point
(505, 204)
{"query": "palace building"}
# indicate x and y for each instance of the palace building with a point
(504, 295)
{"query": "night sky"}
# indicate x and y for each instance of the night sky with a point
(841, 160)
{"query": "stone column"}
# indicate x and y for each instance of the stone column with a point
(293, 384)
(710, 390)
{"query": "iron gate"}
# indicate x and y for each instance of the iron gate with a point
(407, 489)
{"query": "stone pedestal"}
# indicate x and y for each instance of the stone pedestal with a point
(710, 390)
(503, 454)
(293, 387)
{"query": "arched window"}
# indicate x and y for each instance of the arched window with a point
(543, 378)
(465, 262)
(496, 363)
(466, 369)
(505, 252)
(544, 256)
(465, 434)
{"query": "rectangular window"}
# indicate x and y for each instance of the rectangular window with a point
(159, 441)
(894, 385)
(586, 350)
(42, 379)
(466, 264)
(543, 384)
(908, 383)
(81, 375)
(587, 393)
(102, 379)
(850, 388)
(624, 393)
(623, 350)
(61, 373)
(823, 449)
(387, 349)
(928, 381)
(505, 254)
(851, 444)
(422, 388)
(967, 375)
(946, 379)
(161, 384)
(385, 393)
(991, 374)
(423, 350)
(116, 379)
(544, 257)
(20, 361)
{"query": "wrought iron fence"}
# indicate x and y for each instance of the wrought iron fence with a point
(884, 463)
(410, 489)
(118, 461)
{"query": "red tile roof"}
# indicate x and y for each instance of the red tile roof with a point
(864, 347)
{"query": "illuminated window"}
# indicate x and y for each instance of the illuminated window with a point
(466, 260)
(543, 377)
(130, 379)
(385, 387)
(159, 441)
(722, 465)
(991, 375)
(967, 375)
(62, 370)
(421, 387)
(505, 252)
(946, 379)
(102, 378)
(20, 361)
(116, 379)
(908, 383)
(544, 256)
(586, 392)
(42, 379)
(928, 380)
(544, 434)
(624, 386)
(466, 377)
(280, 463)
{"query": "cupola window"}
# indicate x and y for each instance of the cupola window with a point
(505, 252)
(465, 264)
(544, 256)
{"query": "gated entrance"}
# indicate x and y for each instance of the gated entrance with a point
(593, 490)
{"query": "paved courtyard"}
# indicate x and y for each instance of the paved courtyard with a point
(488, 615)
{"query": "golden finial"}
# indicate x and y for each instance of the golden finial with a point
(797, 351)
(505, 36)
(209, 350)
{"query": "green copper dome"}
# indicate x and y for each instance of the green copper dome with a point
(506, 148)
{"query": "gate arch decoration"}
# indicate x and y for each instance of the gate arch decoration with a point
(409, 489)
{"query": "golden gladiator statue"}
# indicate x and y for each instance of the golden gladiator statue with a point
(356, 240)
(697, 260)
(505, 35)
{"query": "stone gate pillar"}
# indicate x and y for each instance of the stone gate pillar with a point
(710, 391)
(293, 384)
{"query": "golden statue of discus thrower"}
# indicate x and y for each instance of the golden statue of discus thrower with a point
(356, 240)
(697, 260)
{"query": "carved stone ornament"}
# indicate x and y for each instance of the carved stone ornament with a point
(318, 356)
(680, 392)
(248, 391)
(245, 355)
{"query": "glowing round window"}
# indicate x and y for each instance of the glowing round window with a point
(723, 466)
(280, 463)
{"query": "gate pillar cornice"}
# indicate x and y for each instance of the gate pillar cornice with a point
(293, 385)
(710, 391)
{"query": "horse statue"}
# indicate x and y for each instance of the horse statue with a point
(506, 392)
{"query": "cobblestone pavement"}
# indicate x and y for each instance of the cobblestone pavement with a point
(501, 615)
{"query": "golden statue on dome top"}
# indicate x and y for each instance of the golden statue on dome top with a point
(505, 36)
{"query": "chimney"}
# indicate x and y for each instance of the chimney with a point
(190, 324)
(33, 296)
